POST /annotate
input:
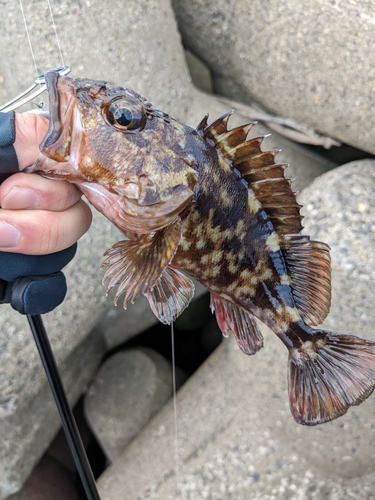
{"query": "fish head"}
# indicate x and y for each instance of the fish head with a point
(128, 158)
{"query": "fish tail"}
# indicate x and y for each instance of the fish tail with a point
(327, 374)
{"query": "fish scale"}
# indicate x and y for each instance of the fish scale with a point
(210, 203)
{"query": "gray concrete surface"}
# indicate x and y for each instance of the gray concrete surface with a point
(129, 389)
(237, 440)
(339, 209)
(308, 60)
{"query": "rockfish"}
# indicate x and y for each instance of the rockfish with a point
(209, 202)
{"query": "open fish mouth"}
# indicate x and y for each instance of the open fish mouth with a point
(64, 129)
(62, 113)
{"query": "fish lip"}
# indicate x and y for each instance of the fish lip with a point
(62, 102)
(55, 125)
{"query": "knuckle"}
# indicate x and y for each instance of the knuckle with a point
(52, 233)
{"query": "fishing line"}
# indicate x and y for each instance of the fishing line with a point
(28, 37)
(176, 450)
(55, 30)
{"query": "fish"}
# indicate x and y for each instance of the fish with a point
(210, 204)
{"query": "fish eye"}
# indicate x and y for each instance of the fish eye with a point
(125, 117)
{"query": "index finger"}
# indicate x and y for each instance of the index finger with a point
(30, 191)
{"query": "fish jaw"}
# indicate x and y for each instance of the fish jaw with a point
(107, 203)
(56, 143)
(61, 146)
(130, 217)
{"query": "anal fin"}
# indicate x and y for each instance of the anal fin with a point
(135, 265)
(232, 318)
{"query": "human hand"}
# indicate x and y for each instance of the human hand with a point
(38, 216)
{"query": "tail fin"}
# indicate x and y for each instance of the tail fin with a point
(329, 374)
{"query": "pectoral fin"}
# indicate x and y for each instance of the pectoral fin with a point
(135, 265)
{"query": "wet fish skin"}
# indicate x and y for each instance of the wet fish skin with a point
(209, 202)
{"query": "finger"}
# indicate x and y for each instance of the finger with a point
(39, 232)
(30, 130)
(30, 191)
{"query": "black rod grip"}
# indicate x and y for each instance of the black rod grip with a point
(16, 265)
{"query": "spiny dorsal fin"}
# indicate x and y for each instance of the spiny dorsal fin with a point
(202, 124)
(309, 267)
(218, 127)
(232, 138)
(246, 149)
(264, 177)
(280, 203)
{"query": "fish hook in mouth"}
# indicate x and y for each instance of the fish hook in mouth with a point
(55, 125)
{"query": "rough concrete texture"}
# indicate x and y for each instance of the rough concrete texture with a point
(134, 44)
(339, 209)
(199, 72)
(307, 60)
(130, 387)
(236, 437)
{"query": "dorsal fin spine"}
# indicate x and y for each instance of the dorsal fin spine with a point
(234, 137)
(246, 148)
(218, 127)
(202, 124)
(260, 160)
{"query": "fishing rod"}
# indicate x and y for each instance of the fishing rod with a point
(34, 285)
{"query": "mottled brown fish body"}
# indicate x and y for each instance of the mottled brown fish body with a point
(224, 246)
(209, 202)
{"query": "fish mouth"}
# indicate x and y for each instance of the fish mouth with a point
(64, 129)
(140, 204)
(62, 101)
